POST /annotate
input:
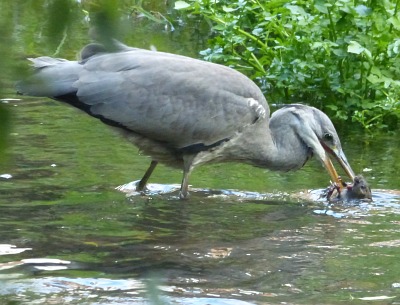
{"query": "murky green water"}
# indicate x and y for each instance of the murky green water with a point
(67, 236)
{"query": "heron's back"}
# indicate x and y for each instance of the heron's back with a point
(180, 101)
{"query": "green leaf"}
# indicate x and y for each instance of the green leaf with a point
(363, 10)
(368, 53)
(355, 47)
(332, 107)
(227, 9)
(395, 22)
(296, 10)
(374, 79)
(219, 27)
(375, 70)
(394, 48)
(339, 52)
(181, 5)
(257, 31)
(322, 6)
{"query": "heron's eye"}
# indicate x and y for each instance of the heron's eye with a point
(328, 137)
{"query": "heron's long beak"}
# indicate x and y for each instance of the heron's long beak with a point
(341, 158)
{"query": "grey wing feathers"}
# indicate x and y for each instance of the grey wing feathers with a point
(166, 97)
(169, 98)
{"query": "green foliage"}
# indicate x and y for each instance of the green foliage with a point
(341, 56)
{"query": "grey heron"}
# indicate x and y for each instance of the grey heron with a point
(185, 112)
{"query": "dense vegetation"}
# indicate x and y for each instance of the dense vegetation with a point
(339, 55)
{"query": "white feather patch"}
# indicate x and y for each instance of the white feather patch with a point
(257, 107)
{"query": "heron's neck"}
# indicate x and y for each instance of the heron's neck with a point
(278, 148)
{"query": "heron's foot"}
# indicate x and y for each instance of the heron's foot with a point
(132, 188)
(184, 195)
(141, 186)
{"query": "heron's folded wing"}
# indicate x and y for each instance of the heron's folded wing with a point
(170, 98)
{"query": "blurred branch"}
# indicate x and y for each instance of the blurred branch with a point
(61, 42)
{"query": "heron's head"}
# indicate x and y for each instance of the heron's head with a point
(316, 131)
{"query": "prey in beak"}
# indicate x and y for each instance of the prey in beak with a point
(338, 154)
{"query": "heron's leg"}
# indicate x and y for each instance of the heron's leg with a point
(184, 193)
(187, 169)
(142, 183)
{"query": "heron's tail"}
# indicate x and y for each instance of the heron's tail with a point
(52, 77)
